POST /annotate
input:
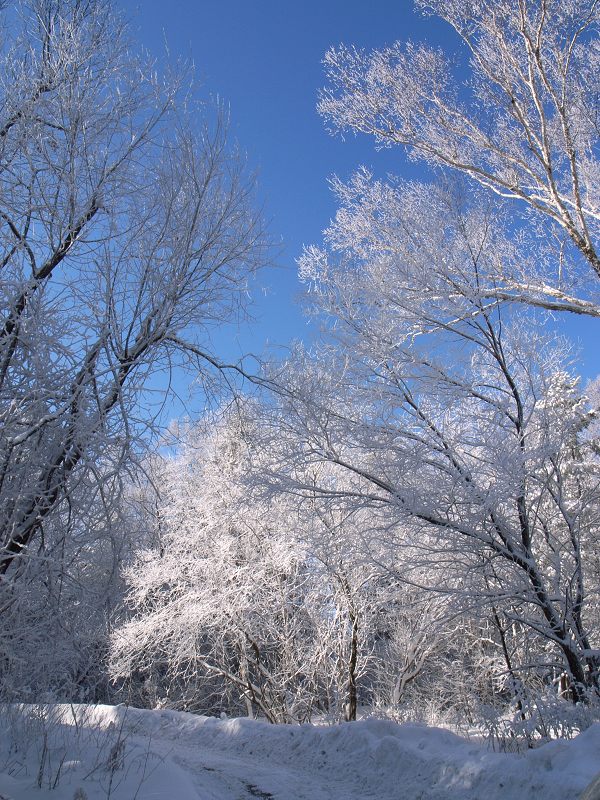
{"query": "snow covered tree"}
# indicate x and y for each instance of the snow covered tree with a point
(57, 616)
(525, 127)
(270, 605)
(219, 617)
(127, 231)
(460, 424)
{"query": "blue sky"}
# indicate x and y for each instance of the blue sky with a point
(264, 58)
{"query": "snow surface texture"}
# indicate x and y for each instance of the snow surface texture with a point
(128, 754)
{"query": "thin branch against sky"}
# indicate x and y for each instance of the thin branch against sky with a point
(264, 60)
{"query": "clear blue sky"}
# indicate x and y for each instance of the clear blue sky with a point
(264, 58)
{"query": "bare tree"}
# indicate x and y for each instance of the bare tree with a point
(127, 231)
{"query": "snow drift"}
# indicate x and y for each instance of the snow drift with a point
(122, 753)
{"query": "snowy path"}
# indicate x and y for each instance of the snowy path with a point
(218, 771)
(216, 776)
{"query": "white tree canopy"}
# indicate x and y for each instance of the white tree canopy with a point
(525, 126)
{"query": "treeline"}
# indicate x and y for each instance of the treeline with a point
(403, 517)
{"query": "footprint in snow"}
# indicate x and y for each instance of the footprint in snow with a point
(256, 792)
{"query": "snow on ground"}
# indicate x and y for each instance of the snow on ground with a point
(129, 754)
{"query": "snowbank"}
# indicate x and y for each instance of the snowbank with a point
(167, 755)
